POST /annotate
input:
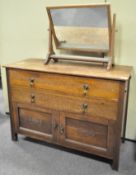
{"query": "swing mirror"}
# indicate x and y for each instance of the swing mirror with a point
(81, 28)
(84, 29)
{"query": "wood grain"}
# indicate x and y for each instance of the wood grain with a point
(86, 132)
(84, 135)
(36, 121)
(80, 6)
(68, 68)
(96, 107)
(64, 84)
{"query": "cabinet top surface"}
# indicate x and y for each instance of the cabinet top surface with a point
(118, 72)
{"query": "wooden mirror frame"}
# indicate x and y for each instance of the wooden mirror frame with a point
(108, 58)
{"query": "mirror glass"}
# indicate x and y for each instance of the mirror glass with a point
(81, 28)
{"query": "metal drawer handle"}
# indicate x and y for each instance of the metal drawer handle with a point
(85, 88)
(85, 107)
(32, 98)
(32, 81)
(61, 129)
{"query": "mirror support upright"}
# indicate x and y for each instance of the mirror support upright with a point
(50, 46)
(111, 54)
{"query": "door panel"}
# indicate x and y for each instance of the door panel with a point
(86, 132)
(36, 122)
(86, 135)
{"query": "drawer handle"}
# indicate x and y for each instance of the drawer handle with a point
(32, 98)
(61, 129)
(85, 88)
(85, 107)
(32, 80)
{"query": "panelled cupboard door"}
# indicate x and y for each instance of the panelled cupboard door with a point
(36, 122)
(85, 133)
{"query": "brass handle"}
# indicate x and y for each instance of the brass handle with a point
(32, 98)
(32, 80)
(85, 107)
(85, 88)
(61, 129)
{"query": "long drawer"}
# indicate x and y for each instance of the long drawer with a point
(93, 106)
(66, 85)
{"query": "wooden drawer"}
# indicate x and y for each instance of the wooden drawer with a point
(95, 107)
(64, 84)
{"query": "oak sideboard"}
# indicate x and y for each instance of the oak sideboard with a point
(74, 105)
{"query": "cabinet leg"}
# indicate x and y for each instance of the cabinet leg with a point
(14, 136)
(115, 164)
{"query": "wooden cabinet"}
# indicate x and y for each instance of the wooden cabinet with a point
(79, 107)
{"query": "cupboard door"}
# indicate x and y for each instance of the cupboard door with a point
(94, 135)
(36, 122)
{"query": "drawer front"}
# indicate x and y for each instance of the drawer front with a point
(93, 106)
(87, 135)
(63, 84)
